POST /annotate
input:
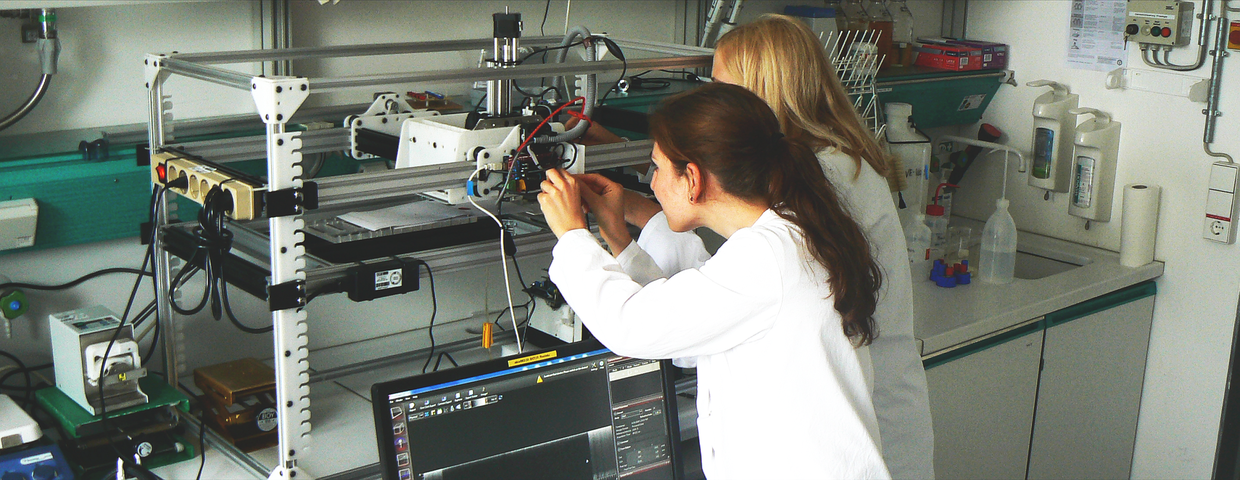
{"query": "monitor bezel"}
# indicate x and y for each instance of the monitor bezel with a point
(382, 414)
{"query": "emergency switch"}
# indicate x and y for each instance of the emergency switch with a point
(1233, 39)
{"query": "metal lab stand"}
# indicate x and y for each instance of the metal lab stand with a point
(277, 100)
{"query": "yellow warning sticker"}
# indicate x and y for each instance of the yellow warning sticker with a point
(539, 379)
(531, 359)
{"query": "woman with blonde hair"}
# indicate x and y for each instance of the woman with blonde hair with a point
(780, 60)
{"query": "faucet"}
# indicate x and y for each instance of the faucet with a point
(994, 147)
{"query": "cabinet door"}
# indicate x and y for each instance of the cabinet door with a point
(1090, 393)
(982, 405)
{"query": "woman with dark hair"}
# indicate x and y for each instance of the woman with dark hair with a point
(777, 320)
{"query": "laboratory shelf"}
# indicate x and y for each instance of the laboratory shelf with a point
(273, 248)
(939, 97)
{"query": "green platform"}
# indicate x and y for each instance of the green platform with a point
(72, 417)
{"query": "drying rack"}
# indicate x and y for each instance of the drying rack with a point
(856, 67)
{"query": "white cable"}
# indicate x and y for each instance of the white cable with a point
(503, 259)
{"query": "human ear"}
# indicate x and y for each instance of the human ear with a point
(694, 182)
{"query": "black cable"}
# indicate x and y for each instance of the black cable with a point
(147, 258)
(548, 49)
(25, 372)
(183, 276)
(440, 359)
(232, 318)
(89, 276)
(21, 367)
(434, 311)
(202, 440)
(615, 50)
(546, 10)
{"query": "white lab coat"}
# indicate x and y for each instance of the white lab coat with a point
(781, 392)
(901, 401)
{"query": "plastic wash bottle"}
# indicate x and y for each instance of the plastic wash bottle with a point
(998, 260)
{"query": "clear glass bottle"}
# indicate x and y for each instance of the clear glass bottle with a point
(901, 32)
(881, 22)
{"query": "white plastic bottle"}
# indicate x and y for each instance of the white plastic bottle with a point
(917, 238)
(998, 260)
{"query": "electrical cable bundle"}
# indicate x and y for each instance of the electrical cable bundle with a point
(214, 242)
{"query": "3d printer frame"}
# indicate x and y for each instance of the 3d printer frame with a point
(292, 272)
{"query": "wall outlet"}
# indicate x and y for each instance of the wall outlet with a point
(1220, 212)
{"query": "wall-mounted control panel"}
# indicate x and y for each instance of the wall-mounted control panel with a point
(1159, 22)
(1220, 222)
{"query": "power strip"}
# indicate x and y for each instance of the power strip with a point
(202, 176)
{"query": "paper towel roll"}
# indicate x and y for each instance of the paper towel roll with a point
(1140, 224)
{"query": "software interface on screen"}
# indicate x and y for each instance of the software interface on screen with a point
(589, 416)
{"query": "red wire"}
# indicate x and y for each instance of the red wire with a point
(549, 117)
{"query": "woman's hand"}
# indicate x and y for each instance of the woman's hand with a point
(595, 135)
(638, 209)
(605, 199)
(561, 202)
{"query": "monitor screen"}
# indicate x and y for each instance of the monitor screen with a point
(575, 412)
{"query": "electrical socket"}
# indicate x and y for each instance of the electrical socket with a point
(202, 177)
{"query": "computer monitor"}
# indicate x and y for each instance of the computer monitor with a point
(576, 412)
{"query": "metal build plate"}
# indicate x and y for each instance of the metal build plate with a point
(233, 380)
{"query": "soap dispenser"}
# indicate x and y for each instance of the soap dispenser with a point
(1093, 170)
(1053, 132)
(998, 260)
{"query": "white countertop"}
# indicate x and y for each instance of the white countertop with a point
(944, 317)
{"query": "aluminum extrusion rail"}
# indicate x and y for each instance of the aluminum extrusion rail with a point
(219, 76)
(226, 150)
(517, 72)
(300, 53)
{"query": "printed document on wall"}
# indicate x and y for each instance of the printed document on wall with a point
(1096, 35)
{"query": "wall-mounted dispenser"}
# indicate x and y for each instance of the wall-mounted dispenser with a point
(1093, 168)
(1053, 131)
(913, 150)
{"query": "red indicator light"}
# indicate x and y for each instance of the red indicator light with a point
(162, 172)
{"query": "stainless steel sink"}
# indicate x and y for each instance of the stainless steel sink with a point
(1033, 263)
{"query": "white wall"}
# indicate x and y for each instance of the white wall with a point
(99, 81)
(1160, 144)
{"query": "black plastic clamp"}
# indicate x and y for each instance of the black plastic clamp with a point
(286, 295)
(293, 201)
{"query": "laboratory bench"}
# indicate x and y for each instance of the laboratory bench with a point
(343, 441)
(1051, 275)
(1042, 377)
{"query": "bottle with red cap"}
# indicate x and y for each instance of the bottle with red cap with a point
(936, 220)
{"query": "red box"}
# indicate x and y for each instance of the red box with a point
(994, 55)
(949, 57)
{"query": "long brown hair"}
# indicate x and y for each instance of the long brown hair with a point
(734, 136)
(778, 58)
